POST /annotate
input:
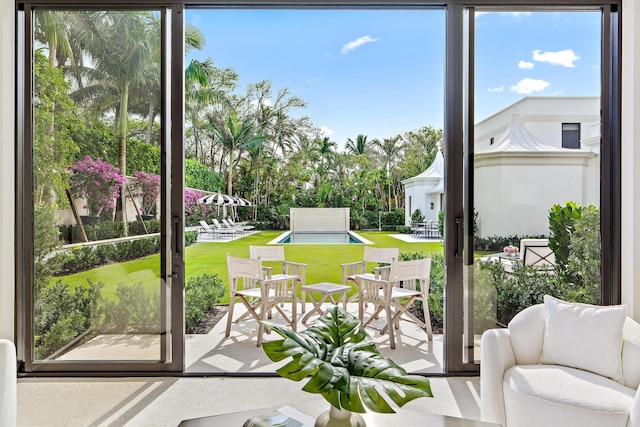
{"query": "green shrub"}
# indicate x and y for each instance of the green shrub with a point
(389, 220)
(583, 263)
(136, 228)
(561, 225)
(441, 222)
(83, 258)
(201, 294)
(417, 216)
(135, 311)
(63, 314)
(404, 229)
(190, 237)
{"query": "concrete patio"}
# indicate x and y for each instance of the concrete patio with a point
(214, 353)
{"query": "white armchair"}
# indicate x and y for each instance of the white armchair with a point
(8, 384)
(593, 381)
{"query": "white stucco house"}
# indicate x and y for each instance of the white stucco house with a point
(529, 156)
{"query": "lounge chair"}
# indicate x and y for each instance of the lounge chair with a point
(213, 232)
(224, 229)
(246, 227)
(228, 225)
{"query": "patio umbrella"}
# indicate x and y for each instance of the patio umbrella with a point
(218, 199)
(242, 202)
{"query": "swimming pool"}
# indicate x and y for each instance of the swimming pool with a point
(320, 238)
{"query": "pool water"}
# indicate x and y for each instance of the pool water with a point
(319, 238)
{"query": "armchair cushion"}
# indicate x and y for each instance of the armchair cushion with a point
(584, 336)
(535, 394)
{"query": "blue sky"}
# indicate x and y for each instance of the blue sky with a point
(381, 73)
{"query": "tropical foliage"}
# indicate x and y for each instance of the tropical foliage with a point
(344, 364)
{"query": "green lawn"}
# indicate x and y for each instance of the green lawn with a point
(209, 257)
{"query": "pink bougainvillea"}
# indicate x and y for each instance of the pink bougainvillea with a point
(146, 186)
(193, 210)
(96, 181)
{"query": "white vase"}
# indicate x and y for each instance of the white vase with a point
(335, 417)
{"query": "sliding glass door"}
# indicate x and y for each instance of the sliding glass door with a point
(98, 292)
(535, 152)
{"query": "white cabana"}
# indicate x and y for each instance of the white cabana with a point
(425, 191)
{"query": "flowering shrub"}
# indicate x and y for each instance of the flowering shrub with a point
(97, 182)
(147, 186)
(195, 211)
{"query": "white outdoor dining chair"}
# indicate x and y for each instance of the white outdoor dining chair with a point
(359, 268)
(408, 281)
(259, 294)
(289, 269)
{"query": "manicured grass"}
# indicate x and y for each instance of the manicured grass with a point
(210, 257)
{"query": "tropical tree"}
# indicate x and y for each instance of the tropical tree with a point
(359, 147)
(236, 133)
(121, 45)
(389, 150)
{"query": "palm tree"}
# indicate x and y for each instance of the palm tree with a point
(390, 149)
(121, 45)
(52, 28)
(236, 133)
(358, 147)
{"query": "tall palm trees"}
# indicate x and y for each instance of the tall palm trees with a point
(236, 133)
(390, 149)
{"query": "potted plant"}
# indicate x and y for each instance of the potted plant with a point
(147, 186)
(97, 182)
(345, 367)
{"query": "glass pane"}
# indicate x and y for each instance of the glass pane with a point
(97, 170)
(536, 204)
(341, 109)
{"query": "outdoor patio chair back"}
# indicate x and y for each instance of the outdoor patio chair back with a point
(276, 253)
(408, 281)
(259, 294)
(537, 253)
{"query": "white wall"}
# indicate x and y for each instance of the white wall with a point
(631, 156)
(7, 158)
(319, 219)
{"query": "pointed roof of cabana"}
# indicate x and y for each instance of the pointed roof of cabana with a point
(517, 139)
(432, 177)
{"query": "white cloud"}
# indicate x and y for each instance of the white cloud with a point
(326, 131)
(495, 89)
(566, 58)
(357, 43)
(528, 86)
(525, 65)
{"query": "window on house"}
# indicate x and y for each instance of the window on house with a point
(491, 141)
(571, 135)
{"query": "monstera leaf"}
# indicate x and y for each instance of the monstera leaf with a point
(344, 364)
